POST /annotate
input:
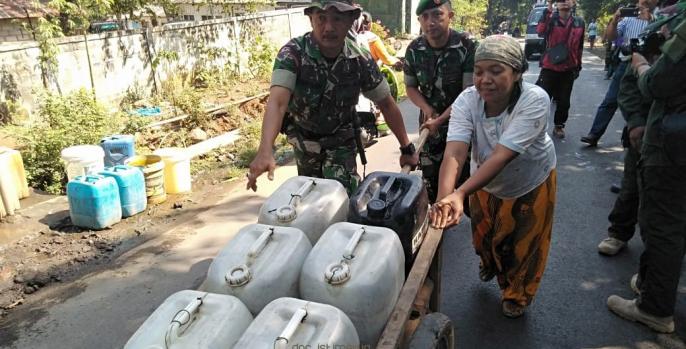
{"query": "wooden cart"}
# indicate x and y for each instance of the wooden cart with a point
(415, 321)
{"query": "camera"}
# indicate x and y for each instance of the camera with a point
(647, 44)
(629, 11)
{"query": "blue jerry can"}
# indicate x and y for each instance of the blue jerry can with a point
(118, 148)
(131, 185)
(94, 201)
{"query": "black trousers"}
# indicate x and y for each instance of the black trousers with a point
(624, 215)
(559, 87)
(662, 218)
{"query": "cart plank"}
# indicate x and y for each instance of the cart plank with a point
(391, 335)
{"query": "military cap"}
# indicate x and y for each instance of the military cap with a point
(340, 5)
(429, 4)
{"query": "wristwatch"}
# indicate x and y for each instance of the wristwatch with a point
(408, 149)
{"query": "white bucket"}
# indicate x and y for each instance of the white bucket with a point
(177, 169)
(82, 160)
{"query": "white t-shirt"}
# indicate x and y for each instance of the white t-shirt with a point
(523, 131)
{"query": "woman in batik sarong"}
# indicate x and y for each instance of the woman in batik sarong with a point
(512, 185)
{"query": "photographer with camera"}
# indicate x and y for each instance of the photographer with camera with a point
(627, 24)
(561, 61)
(662, 212)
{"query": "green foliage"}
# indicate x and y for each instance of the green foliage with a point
(45, 32)
(385, 35)
(206, 72)
(65, 121)
(470, 15)
(261, 60)
(133, 94)
(164, 56)
(133, 124)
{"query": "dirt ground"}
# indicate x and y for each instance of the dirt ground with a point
(40, 246)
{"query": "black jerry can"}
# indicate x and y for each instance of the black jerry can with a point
(396, 201)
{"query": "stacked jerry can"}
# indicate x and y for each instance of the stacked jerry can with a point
(260, 264)
(309, 204)
(359, 270)
(13, 185)
(94, 201)
(193, 320)
(339, 293)
(100, 201)
(117, 149)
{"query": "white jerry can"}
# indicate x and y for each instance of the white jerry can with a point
(358, 269)
(309, 204)
(193, 320)
(289, 323)
(260, 264)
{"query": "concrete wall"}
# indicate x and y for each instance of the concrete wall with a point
(120, 60)
(12, 30)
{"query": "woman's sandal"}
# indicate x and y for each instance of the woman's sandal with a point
(512, 309)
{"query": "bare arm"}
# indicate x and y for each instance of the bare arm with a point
(454, 158)
(271, 125)
(395, 122)
(449, 209)
(418, 99)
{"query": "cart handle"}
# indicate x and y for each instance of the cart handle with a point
(418, 145)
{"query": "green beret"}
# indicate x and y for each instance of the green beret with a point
(429, 4)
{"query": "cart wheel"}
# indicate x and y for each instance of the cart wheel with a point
(435, 331)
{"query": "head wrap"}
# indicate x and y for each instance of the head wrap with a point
(503, 49)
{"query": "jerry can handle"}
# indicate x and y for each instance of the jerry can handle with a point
(304, 190)
(418, 145)
(282, 340)
(260, 243)
(288, 212)
(118, 168)
(91, 178)
(352, 244)
(383, 194)
(182, 320)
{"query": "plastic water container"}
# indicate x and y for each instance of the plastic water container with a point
(16, 165)
(94, 201)
(118, 149)
(260, 264)
(289, 323)
(359, 270)
(131, 188)
(12, 181)
(309, 204)
(83, 160)
(397, 201)
(153, 172)
(177, 169)
(193, 320)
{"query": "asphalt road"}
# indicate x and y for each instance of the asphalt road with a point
(569, 310)
(103, 309)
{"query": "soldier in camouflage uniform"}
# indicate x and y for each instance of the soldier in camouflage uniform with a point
(316, 83)
(439, 65)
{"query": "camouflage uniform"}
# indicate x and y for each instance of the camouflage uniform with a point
(437, 73)
(322, 106)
